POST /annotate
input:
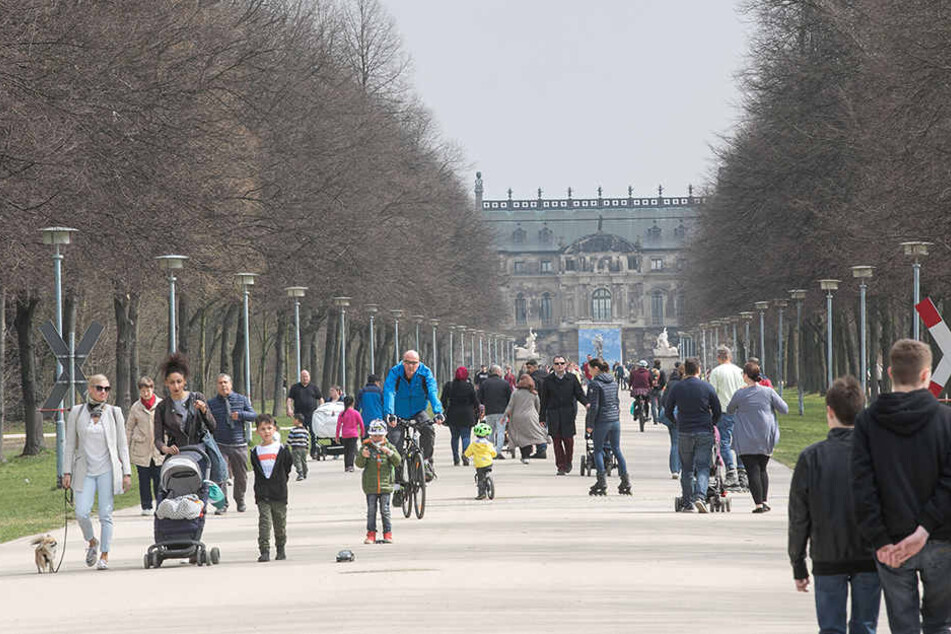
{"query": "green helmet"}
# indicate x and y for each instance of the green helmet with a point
(481, 430)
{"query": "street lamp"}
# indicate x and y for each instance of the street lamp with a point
(798, 295)
(862, 274)
(342, 303)
(435, 360)
(419, 319)
(295, 293)
(762, 307)
(916, 250)
(372, 309)
(733, 321)
(829, 286)
(397, 313)
(246, 280)
(747, 317)
(462, 344)
(715, 339)
(703, 344)
(452, 332)
(57, 236)
(481, 334)
(780, 304)
(171, 263)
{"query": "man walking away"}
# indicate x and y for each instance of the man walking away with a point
(698, 410)
(560, 392)
(370, 399)
(821, 513)
(726, 379)
(901, 470)
(658, 382)
(494, 394)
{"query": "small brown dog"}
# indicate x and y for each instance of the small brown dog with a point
(45, 552)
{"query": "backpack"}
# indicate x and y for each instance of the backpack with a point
(655, 377)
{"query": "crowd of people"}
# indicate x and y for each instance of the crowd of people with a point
(872, 502)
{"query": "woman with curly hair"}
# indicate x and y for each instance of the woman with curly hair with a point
(183, 418)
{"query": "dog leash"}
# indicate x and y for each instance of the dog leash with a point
(67, 502)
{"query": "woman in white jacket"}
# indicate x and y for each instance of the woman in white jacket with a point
(97, 462)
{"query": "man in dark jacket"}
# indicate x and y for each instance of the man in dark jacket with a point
(698, 410)
(538, 375)
(821, 512)
(233, 414)
(494, 394)
(559, 393)
(369, 401)
(901, 469)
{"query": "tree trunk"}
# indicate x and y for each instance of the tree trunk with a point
(262, 370)
(184, 305)
(3, 364)
(125, 327)
(331, 350)
(134, 370)
(23, 322)
(201, 379)
(280, 360)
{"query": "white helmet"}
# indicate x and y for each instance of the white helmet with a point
(642, 363)
(377, 428)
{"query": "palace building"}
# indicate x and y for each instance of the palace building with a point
(580, 269)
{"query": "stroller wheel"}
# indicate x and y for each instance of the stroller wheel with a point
(156, 560)
(145, 561)
(215, 555)
(581, 468)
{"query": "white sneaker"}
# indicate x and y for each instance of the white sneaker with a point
(102, 565)
(701, 506)
(147, 511)
(674, 476)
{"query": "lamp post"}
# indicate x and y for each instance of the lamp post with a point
(418, 319)
(372, 309)
(452, 333)
(829, 286)
(57, 236)
(703, 344)
(733, 321)
(246, 280)
(798, 295)
(462, 345)
(862, 274)
(342, 303)
(916, 250)
(481, 334)
(715, 339)
(762, 307)
(435, 360)
(780, 304)
(295, 293)
(172, 263)
(747, 317)
(397, 313)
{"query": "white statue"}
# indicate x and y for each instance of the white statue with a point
(663, 347)
(599, 346)
(529, 351)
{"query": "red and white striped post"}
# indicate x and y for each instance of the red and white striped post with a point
(942, 336)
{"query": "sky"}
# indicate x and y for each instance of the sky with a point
(559, 93)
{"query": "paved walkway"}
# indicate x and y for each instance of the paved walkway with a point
(542, 557)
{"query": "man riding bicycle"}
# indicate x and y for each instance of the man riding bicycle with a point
(640, 390)
(409, 386)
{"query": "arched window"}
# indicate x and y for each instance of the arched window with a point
(521, 315)
(601, 305)
(518, 236)
(545, 236)
(657, 308)
(545, 309)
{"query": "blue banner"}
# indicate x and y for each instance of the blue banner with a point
(603, 342)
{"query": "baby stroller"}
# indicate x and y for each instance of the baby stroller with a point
(718, 497)
(587, 460)
(324, 424)
(180, 515)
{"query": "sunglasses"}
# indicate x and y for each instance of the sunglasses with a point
(559, 363)
(410, 362)
(101, 388)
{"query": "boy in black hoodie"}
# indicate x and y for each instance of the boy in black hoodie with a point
(901, 469)
(271, 462)
(821, 513)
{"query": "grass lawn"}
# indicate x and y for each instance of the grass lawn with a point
(798, 432)
(29, 501)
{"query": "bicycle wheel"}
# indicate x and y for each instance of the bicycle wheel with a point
(419, 486)
(407, 491)
(490, 487)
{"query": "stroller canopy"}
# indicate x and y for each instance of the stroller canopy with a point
(184, 473)
(324, 420)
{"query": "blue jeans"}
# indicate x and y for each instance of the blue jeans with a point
(498, 429)
(610, 432)
(84, 500)
(725, 425)
(383, 501)
(655, 404)
(832, 593)
(674, 459)
(457, 434)
(695, 449)
(933, 565)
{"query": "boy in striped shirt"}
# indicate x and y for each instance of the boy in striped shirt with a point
(299, 440)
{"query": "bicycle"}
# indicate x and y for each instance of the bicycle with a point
(411, 474)
(641, 409)
(485, 484)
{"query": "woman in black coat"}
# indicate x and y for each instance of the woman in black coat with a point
(461, 406)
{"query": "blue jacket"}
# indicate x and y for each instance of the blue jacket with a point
(696, 404)
(369, 402)
(227, 431)
(408, 399)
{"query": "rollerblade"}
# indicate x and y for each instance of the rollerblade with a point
(600, 487)
(743, 480)
(624, 488)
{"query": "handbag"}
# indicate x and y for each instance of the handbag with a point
(219, 468)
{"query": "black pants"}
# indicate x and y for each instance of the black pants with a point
(349, 451)
(759, 479)
(427, 436)
(148, 476)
